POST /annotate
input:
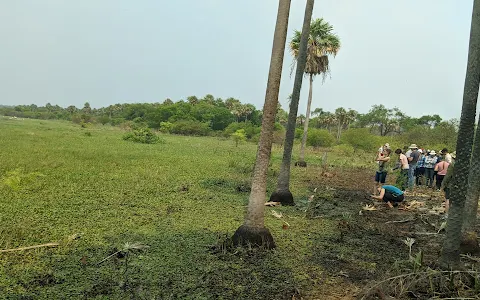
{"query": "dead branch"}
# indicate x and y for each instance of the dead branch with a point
(30, 247)
(400, 221)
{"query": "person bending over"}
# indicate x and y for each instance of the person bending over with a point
(390, 194)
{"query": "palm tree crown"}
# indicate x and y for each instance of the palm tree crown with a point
(322, 42)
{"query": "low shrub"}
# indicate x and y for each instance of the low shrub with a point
(142, 135)
(239, 137)
(319, 138)
(165, 127)
(250, 129)
(191, 127)
(344, 149)
(360, 138)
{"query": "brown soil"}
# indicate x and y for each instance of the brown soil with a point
(369, 245)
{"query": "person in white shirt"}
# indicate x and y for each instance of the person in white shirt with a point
(448, 156)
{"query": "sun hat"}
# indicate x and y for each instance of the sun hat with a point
(432, 152)
(413, 146)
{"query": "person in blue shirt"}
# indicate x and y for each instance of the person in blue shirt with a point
(390, 194)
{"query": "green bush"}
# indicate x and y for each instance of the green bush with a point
(360, 138)
(165, 127)
(298, 133)
(344, 149)
(191, 127)
(319, 138)
(142, 135)
(239, 136)
(250, 129)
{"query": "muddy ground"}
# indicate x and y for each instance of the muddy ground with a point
(371, 244)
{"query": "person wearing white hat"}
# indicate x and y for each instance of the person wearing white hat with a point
(412, 164)
(430, 162)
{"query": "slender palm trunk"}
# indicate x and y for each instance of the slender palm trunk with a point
(305, 126)
(253, 231)
(283, 194)
(473, 191)
(339, 131)
(451, 246)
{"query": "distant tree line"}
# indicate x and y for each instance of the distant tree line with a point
(210, 115)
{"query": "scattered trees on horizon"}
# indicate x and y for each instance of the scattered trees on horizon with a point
(224, 117)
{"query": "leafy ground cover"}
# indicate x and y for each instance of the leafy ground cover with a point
(139, 220)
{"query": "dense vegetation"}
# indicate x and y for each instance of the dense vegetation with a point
(215, 116)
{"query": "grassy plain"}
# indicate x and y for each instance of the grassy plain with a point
(92, 192)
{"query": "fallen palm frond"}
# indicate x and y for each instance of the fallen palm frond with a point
(276, 214)
(127, 247)
(30, 247)
(272, 203)
(369, 207)
(412, 205)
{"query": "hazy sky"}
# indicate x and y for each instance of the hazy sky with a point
(410, 54)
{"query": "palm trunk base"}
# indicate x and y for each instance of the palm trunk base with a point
(284, 197)
(469, 244)
(302, 164)
(253, 236)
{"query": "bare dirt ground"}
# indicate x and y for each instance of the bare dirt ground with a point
(371, 244)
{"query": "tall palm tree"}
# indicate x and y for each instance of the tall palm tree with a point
(283, 194)
(322, 42)
(451, 245)
(253, 230)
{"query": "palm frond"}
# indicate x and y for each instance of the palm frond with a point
(322, 42)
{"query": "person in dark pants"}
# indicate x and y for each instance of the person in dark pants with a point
(390, 194)
(442, 169)
(430, 162)
(420, 170)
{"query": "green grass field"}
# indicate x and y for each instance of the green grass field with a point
(179, 198)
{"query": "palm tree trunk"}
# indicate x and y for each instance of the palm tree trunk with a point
(451, 245)
(283, 194)
(305, 127)
(339, 130)
(473, 191)
(253, 231)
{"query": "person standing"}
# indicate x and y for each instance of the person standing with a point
(448, 156)
(420, 169)
(381, 175)
(442, 169)
(446, 186)
(412, 164)
(381, 150)
(402, 179)
(430, 162)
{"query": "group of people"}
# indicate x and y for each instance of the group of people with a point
(418, 167)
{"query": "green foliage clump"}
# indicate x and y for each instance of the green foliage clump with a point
(250, 129)
(165, 127)
(239, 136)
(298, 133)
(360, 138)
(344, 149)
(319, 138)
(142, 135)
(191, 127)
